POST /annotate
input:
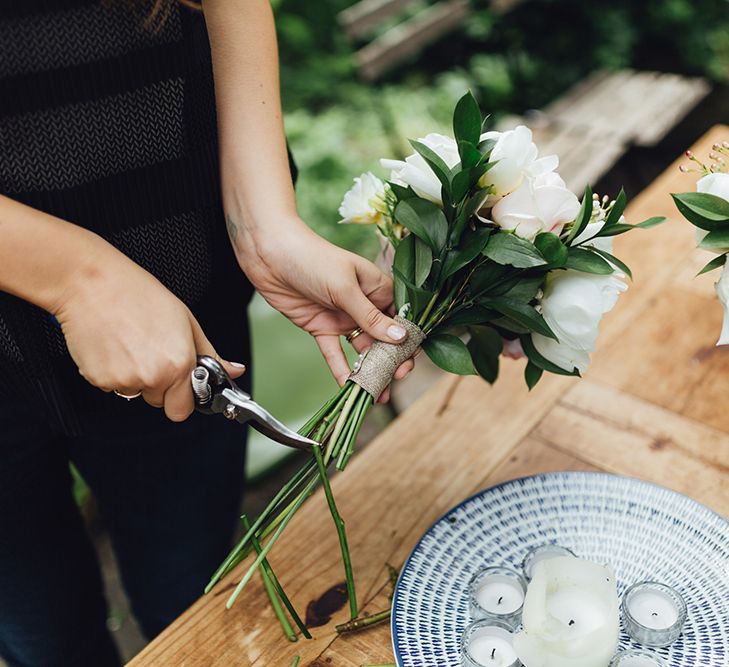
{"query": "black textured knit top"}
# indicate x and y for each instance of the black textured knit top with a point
(111, 125)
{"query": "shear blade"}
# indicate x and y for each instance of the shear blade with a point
(264, 422)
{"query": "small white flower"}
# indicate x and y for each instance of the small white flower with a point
(542, 204)
(415, 172)
(573, 305)
(364, 203)
(516, 156)
(722, 291)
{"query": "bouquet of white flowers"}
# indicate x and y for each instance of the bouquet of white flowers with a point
(487, 245)
(708, 210)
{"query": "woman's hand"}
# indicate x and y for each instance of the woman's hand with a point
(129, 333)
(323, 289)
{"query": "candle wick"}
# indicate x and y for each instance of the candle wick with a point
(493, 653)
(500, 599)
(571, 622)
(655, 613)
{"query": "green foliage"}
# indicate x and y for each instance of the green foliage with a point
(449, 353)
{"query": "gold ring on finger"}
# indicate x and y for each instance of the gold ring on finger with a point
(353, 334)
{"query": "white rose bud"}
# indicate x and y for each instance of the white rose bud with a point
(415, 172)
(573, 305)
(722, 291)
(543, 204)
(516, 156)
(364, 203)
(717, 185)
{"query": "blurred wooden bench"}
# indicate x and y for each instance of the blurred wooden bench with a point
(407, 35)
(595, 122)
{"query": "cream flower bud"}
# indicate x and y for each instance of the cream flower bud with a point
(364, 203)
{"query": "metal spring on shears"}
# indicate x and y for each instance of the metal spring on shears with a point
(201, 385)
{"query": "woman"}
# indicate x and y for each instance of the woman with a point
(115, 272)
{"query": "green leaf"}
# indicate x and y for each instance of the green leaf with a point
(539, 361)
(583, 217)
(423, 261)
(713, 264)
(471, 315)
(486, 276)
(587, 261)
(404, 265)
(401, 192)
(467, 119)
(424, 219)
(417, 297)
(651, 222)
(551, 248)
(460, 184)
(471, 246)
(485, 347)
(522, 313)
(470, 155)
(618, 262)
(718, 239)
(617, 209)
(508, 326)
(532, 374)
(615, 230)
(449, 353)
(703, 210)
(435, 162)
(526, 287)
(506, 248)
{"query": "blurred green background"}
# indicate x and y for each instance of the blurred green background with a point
(339, 126)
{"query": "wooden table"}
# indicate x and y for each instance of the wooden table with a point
(653, 405)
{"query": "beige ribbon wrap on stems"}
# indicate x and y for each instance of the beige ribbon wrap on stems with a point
(377, 365)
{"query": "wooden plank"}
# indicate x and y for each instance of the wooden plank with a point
(612, 445)
(365, 16)
(409, 37)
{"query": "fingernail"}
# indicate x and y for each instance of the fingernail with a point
(237, 365)
(396, 333)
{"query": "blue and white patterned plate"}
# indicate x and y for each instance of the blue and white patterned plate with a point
(642, 530)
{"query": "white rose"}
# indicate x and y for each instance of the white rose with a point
(722, 291)
(516, 156)
(542, 204)
(717, 185)
(604, 243)
(415, 172)
(573, 304)
(364, 202)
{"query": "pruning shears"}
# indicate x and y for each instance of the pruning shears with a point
(216, 393)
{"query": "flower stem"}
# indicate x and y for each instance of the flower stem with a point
(362, 411)
(271, 591)
(341, 422)
(364, 622)
(264, 552)
(236, 554)
(341, 532)
(296, 661)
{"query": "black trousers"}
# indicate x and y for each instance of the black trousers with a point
(169, 494)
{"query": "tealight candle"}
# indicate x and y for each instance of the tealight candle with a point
(654, 614)
(636, 659)
(488, 643)
(542, 553)
(498, 593)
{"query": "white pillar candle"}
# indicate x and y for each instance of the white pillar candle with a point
(570, 615)
(488, 643)
(497, 592)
